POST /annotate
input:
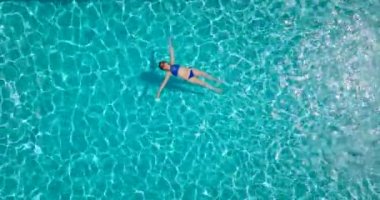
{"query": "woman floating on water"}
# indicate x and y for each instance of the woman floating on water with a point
(186, 73)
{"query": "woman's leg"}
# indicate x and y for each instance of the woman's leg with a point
(204, 74)
(204, 84)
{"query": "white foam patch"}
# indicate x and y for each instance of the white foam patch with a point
(37, 197)
(15, 97)
(345, 68)
(37, 149)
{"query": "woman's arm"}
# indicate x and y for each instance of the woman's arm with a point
(163, 84)
(171, 52)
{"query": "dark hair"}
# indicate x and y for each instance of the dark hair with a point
(160, 64)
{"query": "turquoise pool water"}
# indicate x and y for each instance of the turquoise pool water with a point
(299, 117)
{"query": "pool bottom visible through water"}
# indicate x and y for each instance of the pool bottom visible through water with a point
(297, 119)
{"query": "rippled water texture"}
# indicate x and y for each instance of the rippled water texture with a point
(299, 117)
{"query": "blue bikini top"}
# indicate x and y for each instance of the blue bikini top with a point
(174, 69)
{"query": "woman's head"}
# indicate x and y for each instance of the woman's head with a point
(163, 65)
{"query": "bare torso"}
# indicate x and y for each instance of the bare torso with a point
(184, 72)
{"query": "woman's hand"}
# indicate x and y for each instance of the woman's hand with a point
(157, 98)
(170, 42)
(167, 76)
(171, 51)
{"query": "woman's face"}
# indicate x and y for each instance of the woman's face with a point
(165, 66)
